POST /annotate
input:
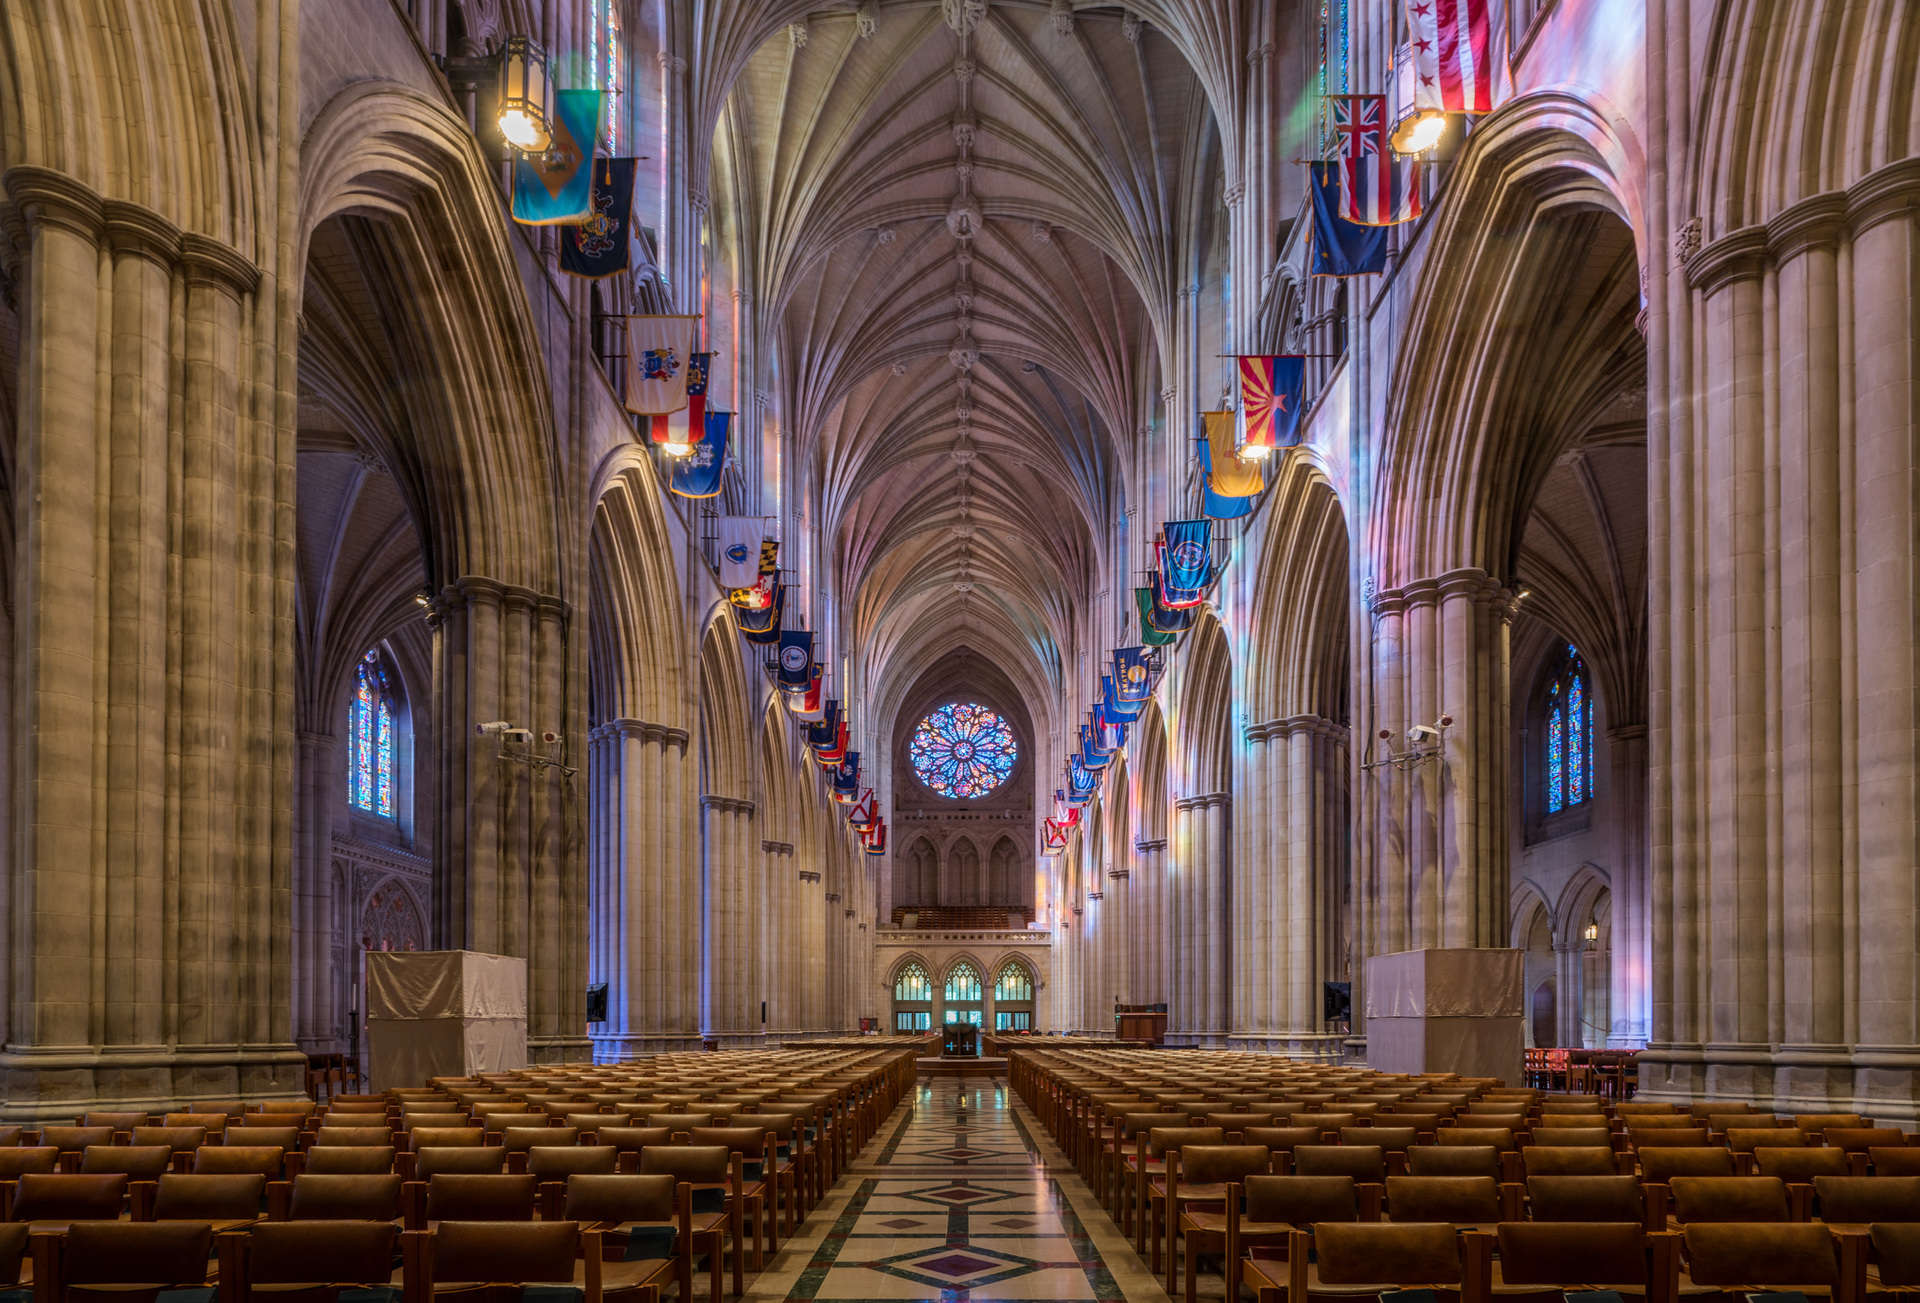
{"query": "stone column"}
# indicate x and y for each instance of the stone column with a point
(779, 940)
(1291, 885)
(1123, 923)
(1197, 875)
(317, 1020)
(813, 963)
(1784, 610)
(646, 937)
(732, 1014)
(509, 878)
(1628, 974)
(1097, 999)
(148, 902)
(1151, 949)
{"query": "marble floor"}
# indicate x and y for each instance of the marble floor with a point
(960, 1198)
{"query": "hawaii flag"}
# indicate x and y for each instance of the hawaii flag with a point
(1377, 189)
(1270, 401)
(659, 356)
(740, 552)
(1451, 59)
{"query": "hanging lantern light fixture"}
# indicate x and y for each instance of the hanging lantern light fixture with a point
(526, 95)
(1417, 127)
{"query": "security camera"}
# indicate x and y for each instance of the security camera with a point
(492, 728)
(1422, 733)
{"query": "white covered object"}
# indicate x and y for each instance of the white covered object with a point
(444, 1013)
(1447, 1011)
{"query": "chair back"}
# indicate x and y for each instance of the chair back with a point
(461, 1196)
(1896, 1251)
(1692, 1160)
(13, 1252)
(559, 1162)
(1573, 1253)
(321, 1252)
(22, 1159)
(1573, 1137)
(1586, 1199)
(203, 1198)
(489, 1160)
(1743, 1254)
(136, 1253)
(629, 1197)
(1302, 1200)
(700, 1164)
(1454, 1160)
(61, 1196)
(136, 1162)
(1468, 1200)
(1554, 1160)
(1801, 1164)
(467, 1252)
(1218, 1164)
(1361, 1162)
(222, 1160)
(1729, 1199)
(1868, 1198)
(364, 1137)
(181, 1140)
(328, 1196)
(347, 1160)
(1387, 1253)
(1161, 1139)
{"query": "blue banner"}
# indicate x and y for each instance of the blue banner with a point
(762, 626)
(795, 662)
(600, 245)
(1340, 247)
(1188, 555)
(697, 475)
(555, 187)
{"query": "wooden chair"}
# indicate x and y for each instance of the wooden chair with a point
(1608, 1198)
(1458, 1200)
(1151, 1157)
(1554, 1160)
(14, 1238)
(102, 1259)
(73, 1142)
(1365, 1258)
(1456, 1160)
(1856, 1142)
(552, 1166)
(711, 1175)
(1729, 1199)
(1198, 1179)
(1125, 1165)
(646, 1220)
(50, 1200)
(122, 1123)
(1740, 1257)
(334, 1136)
(316, 1255)
(785, 1172)
(225, 1201)
(518, 1140)
(1272, 1208)
(464, 1197)
(1858, 1200)
(751, 1148)
(1617, 1256)
(461, 1254)
(630, 1142)
(348, 1160)
(1891, 1160)
(182, 1140)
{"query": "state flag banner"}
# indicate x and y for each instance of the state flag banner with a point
(602, 245)
(795, 663)
(1188, 554)
(1378, 188)
(555, 186)
(876, 838)
(808, 704)
(1230, 484)
(677, 432)
(1132, 674)
(1340, 247)
(740, 552)
(659, 353)
(1270, 388)
(1150, 633)
(1452, 63)
(761, 626)
(697, 475)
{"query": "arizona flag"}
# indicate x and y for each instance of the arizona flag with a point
(1451, 59)
(1270, 401)
(659, 352)
(1378, 189)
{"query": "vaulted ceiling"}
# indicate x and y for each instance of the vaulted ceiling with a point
(968, 231)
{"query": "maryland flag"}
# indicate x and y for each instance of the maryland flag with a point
(1270, 402)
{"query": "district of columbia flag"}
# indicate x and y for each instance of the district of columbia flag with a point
(1452, 63)
(740, 552)
(659, 353)
(1377, 187)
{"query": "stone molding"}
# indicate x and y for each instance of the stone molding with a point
(777, 848)
(44, 196)
(1464, 581)
(664, 734)
(1819, 221)
(809, 876)
(1318, 725)
(480, 590)
(1203, 801)
(1147, 844)
(726, 804)
(1119, 875)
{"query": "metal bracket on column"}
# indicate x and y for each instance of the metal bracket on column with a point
(1424, 743)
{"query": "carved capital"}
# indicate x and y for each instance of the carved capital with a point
(134, 229)
(45, 197)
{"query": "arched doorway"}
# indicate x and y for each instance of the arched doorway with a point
(962, 997)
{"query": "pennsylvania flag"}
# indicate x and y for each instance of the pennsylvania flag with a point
(1340, 247)
(1231, 483)
(697, 475)
(1270, 400)
(599, 246)
(556, 186)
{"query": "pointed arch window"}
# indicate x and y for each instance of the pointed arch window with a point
(913, 998)
(1567, 765)
(370, 739)
(1013, 998)
(962, 995)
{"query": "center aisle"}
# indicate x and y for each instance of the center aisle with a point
(953, 1201)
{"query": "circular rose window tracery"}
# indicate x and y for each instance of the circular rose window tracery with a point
(962, 750)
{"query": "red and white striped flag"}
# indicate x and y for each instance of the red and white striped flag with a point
(1452, 59)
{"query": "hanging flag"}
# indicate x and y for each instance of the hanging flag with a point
(1270, 402)
(1111, 733)
(846, 779)
(1150, 633)
(556, 185)
(740, 552)
(865, 812)
(757, 596)
(1452, 67)
(820, 733)
(600, 245)
(1067, 814)
(830, 756)
(1173, 599)
(697, 475)
(762, 625)
(1378, 188)
(1340, 247)
(1188, 553)
(1113, 707)
(676, 432)
(1133, 669)
(1056, 836)
(1091, 754)
(807, 705)
(658, 350)
(1160, 619)
(1081, 782)
(876, 838)
(795, 662)
(1230, 484)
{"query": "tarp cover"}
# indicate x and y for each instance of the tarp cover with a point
(1445, 984)
(444, 1013)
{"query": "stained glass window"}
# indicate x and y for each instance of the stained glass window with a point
(962, 750)
(962, 996)
(606, 59)
(1568, 770)
(370, 739)
(913, 998)
(1013, 998)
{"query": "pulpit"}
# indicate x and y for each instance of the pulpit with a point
(962, 1041)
